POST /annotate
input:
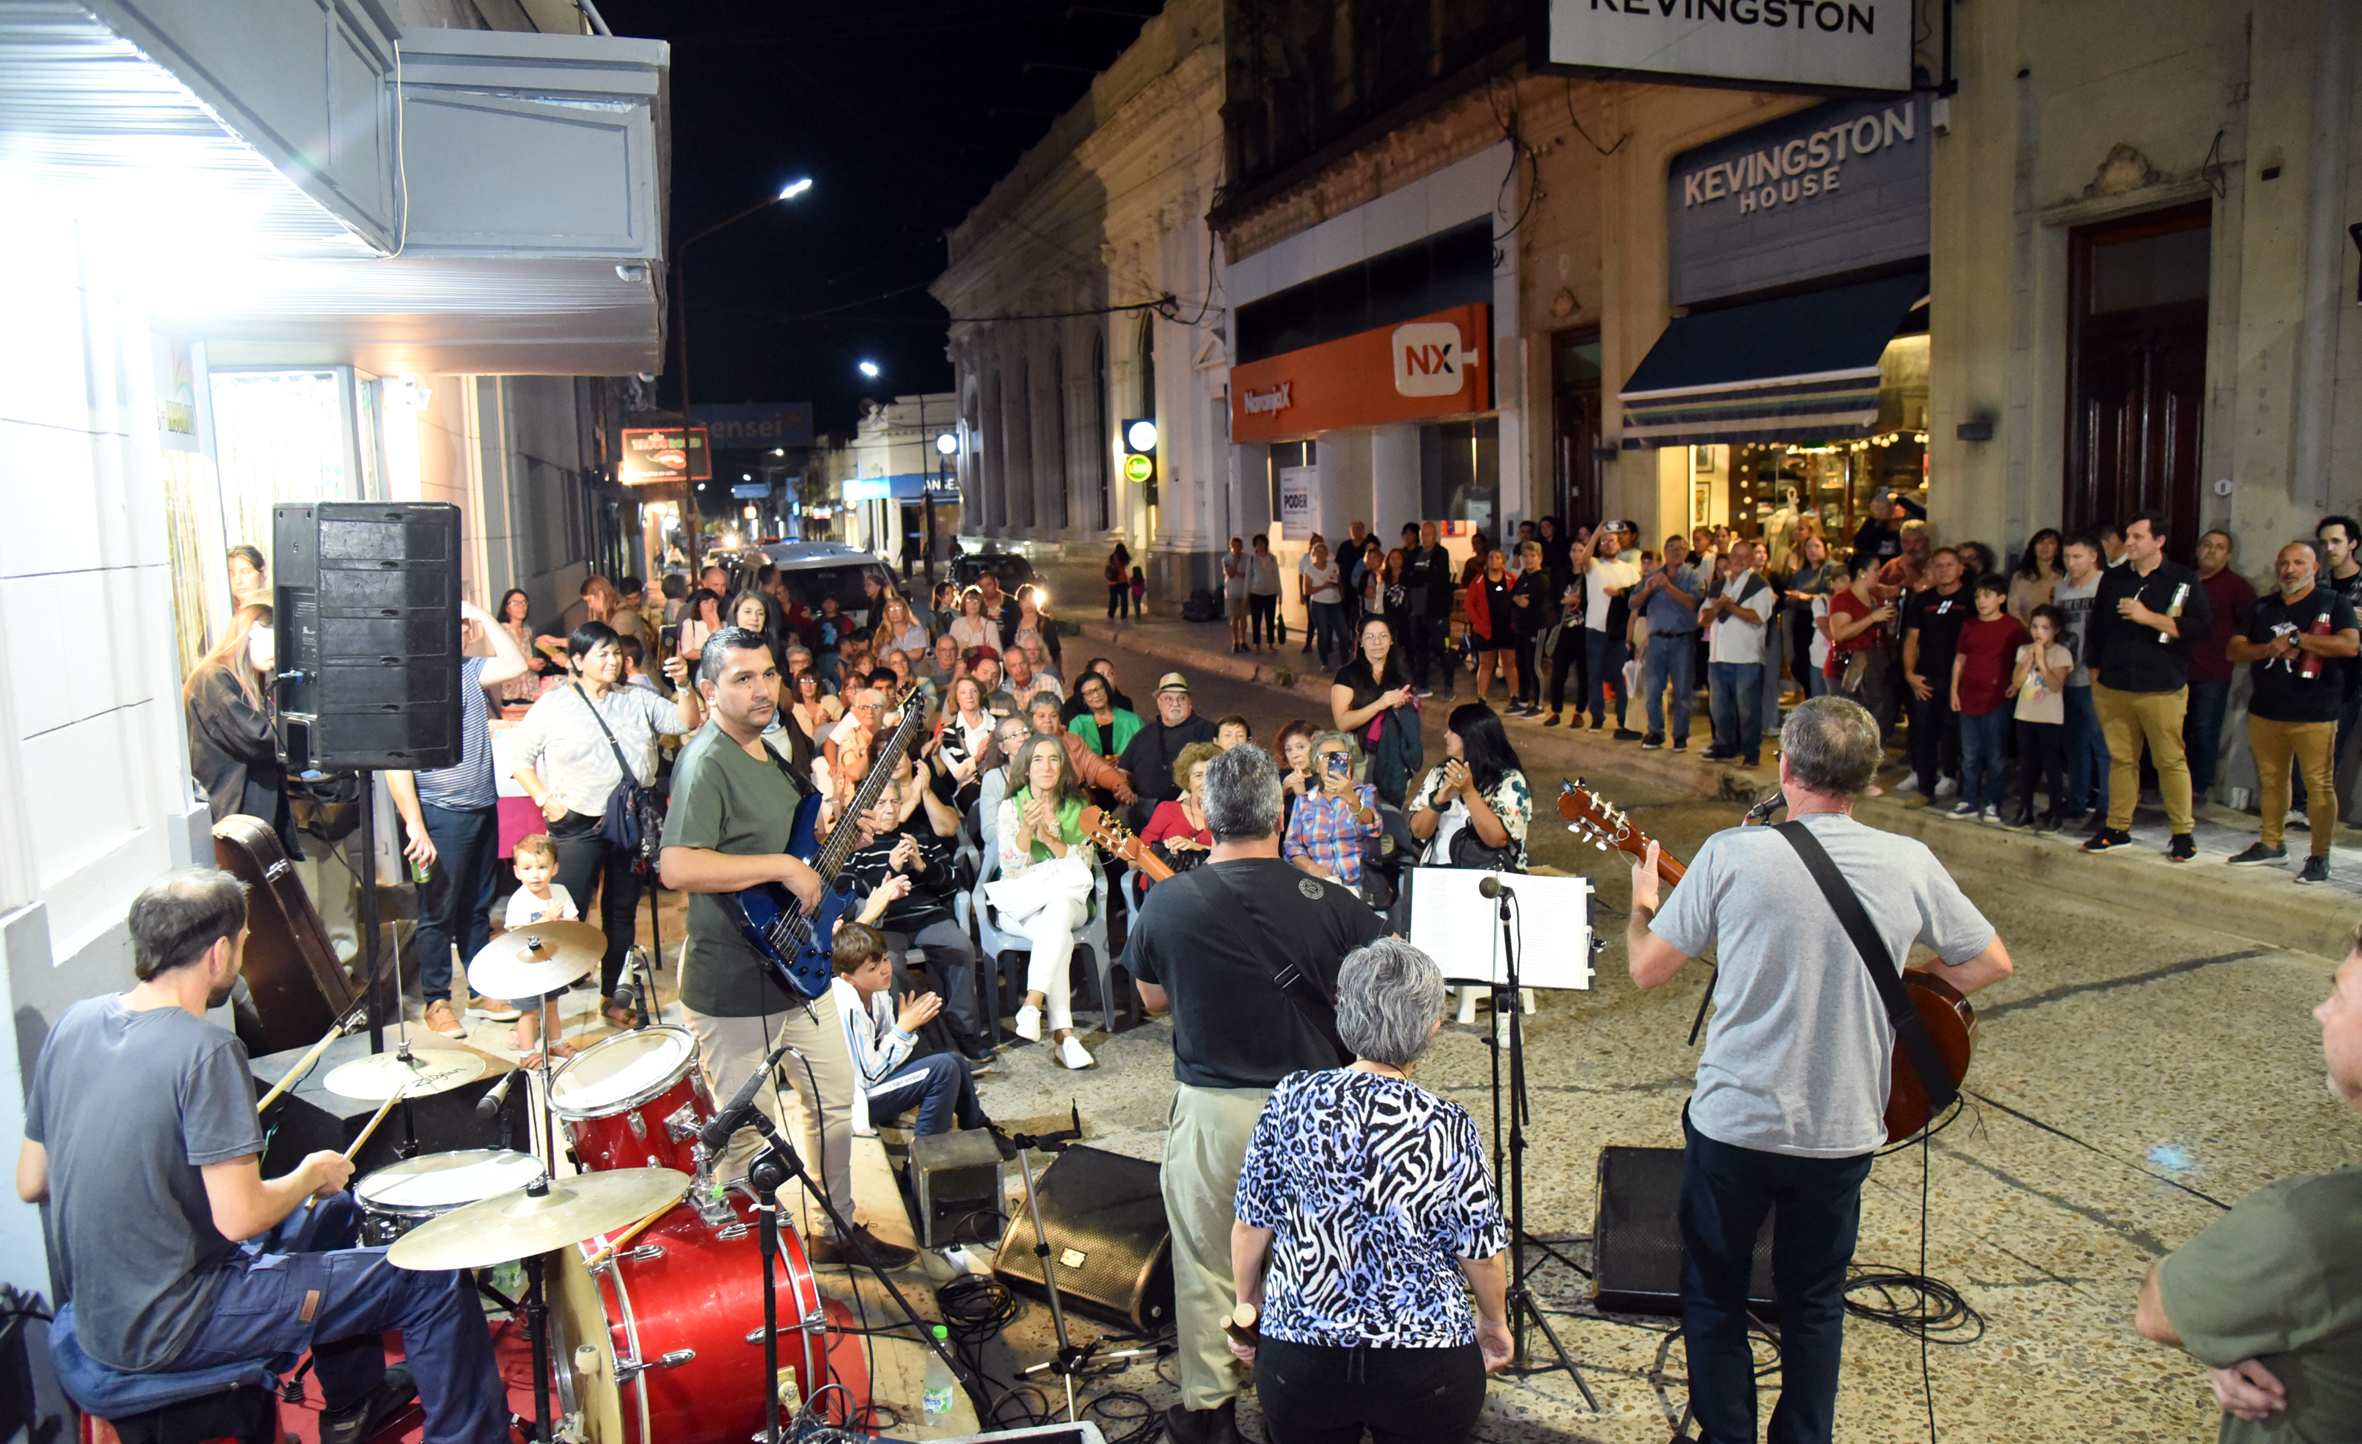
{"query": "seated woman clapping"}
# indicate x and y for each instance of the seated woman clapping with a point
(1044, 889)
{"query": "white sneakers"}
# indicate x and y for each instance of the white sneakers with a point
(1909, 784)
(1947, 787)
(1072, 1053)
(1029, 1023)
(1069, 1051)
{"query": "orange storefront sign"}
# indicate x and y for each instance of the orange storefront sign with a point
(1434, 366)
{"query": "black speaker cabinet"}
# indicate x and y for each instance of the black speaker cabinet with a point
(310, 1119)
(367, 616)
(1636, 1242)
(1110, 1247)
(954, 1176)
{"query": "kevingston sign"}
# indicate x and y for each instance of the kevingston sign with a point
(1856, 45)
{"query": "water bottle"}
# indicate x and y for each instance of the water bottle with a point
(940, 1386)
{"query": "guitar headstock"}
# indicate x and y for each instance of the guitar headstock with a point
(1105, 833)
(1597, 820)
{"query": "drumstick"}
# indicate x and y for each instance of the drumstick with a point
(627, 1236)
(371, 1127)
(303, 1065)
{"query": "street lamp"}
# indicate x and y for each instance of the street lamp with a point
(869, 369)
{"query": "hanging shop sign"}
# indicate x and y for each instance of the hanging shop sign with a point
(1435, 366)
(1830, 190)
(665, 453)
(1800, 44)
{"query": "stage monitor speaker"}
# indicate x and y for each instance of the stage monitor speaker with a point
(1636, 1242)
(1104, 1215)
(954, 1176)
(366, 612)
(310, 1119)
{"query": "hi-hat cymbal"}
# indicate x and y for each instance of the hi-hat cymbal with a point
(537, 958)
(426, 1071)
(518, 1225)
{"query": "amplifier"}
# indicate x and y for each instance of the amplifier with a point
(1636, 1242)
(310, 1119)
(954, 1176)
(1104, 1215)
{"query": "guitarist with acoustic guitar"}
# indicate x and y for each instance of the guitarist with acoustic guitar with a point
(1792, 1088)
(732, 815)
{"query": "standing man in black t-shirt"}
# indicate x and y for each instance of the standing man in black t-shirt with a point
(1427, 589)
(2147, 615)
(733, 809)
(2341, 572)
(1880, 539)
(1213, 946)
(2301, 641)
(1931, 635)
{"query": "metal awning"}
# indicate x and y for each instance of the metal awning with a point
(1794, 369)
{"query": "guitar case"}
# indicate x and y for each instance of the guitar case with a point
(300, 987)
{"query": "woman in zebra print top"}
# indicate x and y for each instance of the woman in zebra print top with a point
(1367, 1200)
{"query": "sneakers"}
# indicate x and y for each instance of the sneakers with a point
(2256, 854)
(1551, 720)
(1751, 761)
(391, 1397)
(1652, 742)
(859, 1248)
(2049, 823)
(1960, 810)
(2022, 818)
(1947, 787)
(441, 1019)
(2316, 869)
(1990, 816)
(1595, 725)
(1422, 692)
(1218, 1425)
(1029, 1023)
(1907, 786)
(1716, 754)
(501, 1014)
(1072, 1053)
(2181, 848)
(2107, 838)
(1626, 734)
(1681, 744)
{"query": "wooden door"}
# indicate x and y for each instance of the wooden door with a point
(1576, 421)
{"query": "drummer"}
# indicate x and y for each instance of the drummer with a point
(732, 812)
(141, 1136)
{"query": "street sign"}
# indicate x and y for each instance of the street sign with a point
(1139, 468)
(665, 453)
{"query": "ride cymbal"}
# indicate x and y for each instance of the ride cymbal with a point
(427, 1071)
(537, 958)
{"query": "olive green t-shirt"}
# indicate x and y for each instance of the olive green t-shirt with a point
(728, 801)
(2279, 1279)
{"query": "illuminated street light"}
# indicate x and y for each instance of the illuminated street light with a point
(869, 369)
(946, 443)
(1141, 435)
(795, 188)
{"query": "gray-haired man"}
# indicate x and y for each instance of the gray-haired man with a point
(1244, 952)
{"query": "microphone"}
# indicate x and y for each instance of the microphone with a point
(489, 1104)
(1772, 802)
(716, 1135)
(1492, 887)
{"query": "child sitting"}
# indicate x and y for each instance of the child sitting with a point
(539, 899)
(880, 1038)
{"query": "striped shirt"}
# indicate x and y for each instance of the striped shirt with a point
(468, 785)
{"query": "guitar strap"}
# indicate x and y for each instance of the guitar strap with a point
(1318, 1012)
(1910, 1031)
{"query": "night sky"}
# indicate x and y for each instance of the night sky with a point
(904, 113)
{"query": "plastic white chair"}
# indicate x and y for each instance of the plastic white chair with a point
(992, 944)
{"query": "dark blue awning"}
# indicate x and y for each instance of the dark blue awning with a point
(1798, 368)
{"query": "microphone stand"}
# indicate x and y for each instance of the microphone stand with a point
(1523, 1311)
(1070, 1358)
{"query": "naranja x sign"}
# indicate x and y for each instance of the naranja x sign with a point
(1434, 366)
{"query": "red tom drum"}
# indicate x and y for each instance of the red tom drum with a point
(635, 1100)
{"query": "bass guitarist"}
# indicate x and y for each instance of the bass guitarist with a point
(1792, 1086)
(733, 808)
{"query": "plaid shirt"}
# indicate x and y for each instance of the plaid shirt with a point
(1324, 829)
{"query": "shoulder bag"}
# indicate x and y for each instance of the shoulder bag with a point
(634, 818)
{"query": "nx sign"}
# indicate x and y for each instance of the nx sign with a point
(1823, 45)
(1420, 370)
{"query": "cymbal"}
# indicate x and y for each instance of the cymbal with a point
(528, 961)
(427, 1071)
(518, 1225)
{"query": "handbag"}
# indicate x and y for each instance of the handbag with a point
(1469, 851)
(634, 817)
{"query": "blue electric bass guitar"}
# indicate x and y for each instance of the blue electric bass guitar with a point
(797, 945)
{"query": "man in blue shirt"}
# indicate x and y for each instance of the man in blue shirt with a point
(452, 814)
(1669, 599)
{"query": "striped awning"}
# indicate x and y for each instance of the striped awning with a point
(1799, 368)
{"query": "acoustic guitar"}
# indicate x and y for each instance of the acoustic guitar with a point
(1114, 839)
(1950, 1019)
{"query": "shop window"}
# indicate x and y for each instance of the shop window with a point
(1575, 413)
(2136, 369)
(1453, 267)
(1460, 471)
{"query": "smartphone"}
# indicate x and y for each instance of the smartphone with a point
(1337, 764)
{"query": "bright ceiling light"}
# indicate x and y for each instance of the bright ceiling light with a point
(795, 188)
(869, 369)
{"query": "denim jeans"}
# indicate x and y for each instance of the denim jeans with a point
(1775, 672)
(1328, 630)
(458, 900)
(1604, 668)
(2202, 732)
(1735, 692)
(1984, 746)
(1671, 655)
(939, 1086)
(339, 1301)
(1725, 1194)
(1816, 683)
(951, 968)
(2087, 754)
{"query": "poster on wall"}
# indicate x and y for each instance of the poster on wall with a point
(1858, 45)
(1296, 485)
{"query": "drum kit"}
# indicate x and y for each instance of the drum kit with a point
(645, 1282)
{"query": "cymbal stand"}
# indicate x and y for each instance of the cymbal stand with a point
(784, 1155)
(1524, 1312)
(537, 1332)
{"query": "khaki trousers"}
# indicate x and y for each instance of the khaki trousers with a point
(1205, 1146)
(734, 1047)
(2125, 719)
(2310, 745)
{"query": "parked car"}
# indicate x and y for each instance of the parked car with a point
(814, 570)
(1013, 570)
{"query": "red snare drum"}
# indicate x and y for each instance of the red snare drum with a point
(635, 1100)
(663, 1344)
